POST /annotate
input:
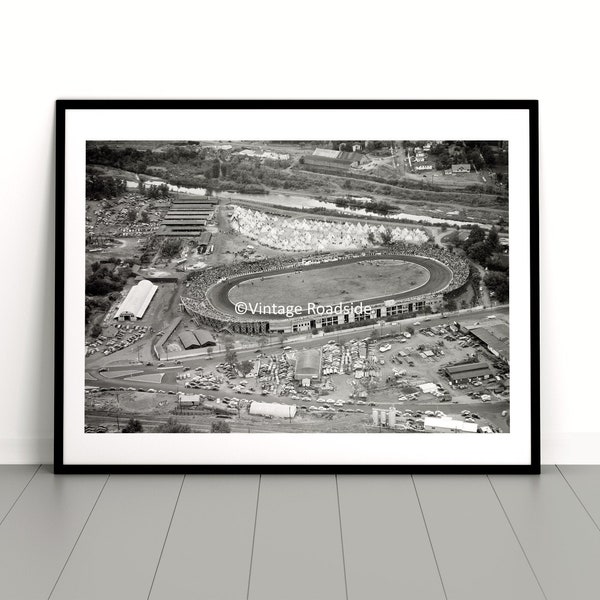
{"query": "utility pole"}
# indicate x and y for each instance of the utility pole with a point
(118, 408)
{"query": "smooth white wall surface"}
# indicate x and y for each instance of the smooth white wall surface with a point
(461, 49)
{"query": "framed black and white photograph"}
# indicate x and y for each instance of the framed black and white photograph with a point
(297, 286)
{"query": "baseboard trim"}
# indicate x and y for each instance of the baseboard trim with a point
(579, 448)
(28, 451)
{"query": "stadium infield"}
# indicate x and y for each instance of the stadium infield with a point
(439, 277)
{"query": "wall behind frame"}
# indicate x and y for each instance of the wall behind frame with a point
(258, 50)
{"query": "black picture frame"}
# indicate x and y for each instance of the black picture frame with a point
(62, 109)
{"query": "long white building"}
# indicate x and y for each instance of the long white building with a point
(137, 301)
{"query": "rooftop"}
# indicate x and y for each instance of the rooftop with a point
(495, 337)
(308, 363)
(469, 370)
(137, 300)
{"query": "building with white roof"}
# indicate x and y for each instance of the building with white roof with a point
(137, 301)
(428, 388)
(273, 409)
(447, 424)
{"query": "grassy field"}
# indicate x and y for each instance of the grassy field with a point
(330, 285)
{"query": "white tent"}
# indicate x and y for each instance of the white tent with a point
(135, 304)
(447, 424)
(273, 409)
(306, 234)
(428, 388)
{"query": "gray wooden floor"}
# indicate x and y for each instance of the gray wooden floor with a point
(299, 537)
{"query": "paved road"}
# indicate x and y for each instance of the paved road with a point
(108, 378)
(308, 341)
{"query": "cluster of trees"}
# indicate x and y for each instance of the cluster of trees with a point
(442, 158)
(102, 286)
(253, 177)
(385, 237)
(376, 206)
(127, 158)
(486, 250)
(479, 154)
(99, 187)
(220, 427)
(170, 247)
(132, 159)
(154, 192)
(133, 426)
(102, 280)
(139, 161)
(481, 247)
(231, 357)
(346, 146)
(149, 248)
(173, 426)
(497, 282)
(94, 304)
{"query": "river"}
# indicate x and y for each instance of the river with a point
(295, 201)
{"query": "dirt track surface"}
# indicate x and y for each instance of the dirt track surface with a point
(440, 277)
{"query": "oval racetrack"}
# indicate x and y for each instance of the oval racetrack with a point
(440, 278)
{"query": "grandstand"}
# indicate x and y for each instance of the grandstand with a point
(187, 217)
(207, 301)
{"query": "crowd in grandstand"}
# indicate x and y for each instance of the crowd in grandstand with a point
(302, 235)
(457, 264)
(197, 304)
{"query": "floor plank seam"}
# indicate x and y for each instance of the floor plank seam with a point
(166, 537)
(253, 537)
(517, 538)
(437, 565)
(78, 537)
(337, 491)
(19, 496)
(578, 498)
